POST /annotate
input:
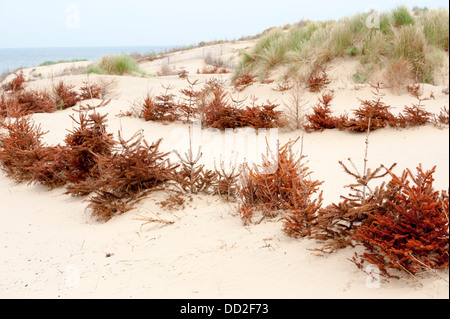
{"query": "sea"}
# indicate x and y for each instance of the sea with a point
(12, 59)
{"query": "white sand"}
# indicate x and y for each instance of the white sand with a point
(50, 247)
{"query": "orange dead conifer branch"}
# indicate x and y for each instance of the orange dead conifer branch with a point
(410, 232)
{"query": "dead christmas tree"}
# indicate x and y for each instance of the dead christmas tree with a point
(416, 115)
(133, 170)
(65, 96)
(243, 81)
(32, 101)
(24, 156)
(281, 184)
(22, 148)
(259, 116)
(225, 183)
(161, 108)
(410, 234)
(188, 107)
(219, 113)
(321, 117)
(192, 177)
(90, 91)
(16, 84)
(374, 110)
(336, 224)
(318, 79)
(10, 106)
(84, 143)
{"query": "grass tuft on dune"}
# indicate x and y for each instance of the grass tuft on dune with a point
(419, 37)
(119, 64)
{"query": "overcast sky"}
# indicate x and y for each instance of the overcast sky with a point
(61, 23)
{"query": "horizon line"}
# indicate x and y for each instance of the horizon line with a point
(93, 46)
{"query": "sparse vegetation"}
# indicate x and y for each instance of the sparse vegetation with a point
(116, 65)
(47, 63)
(19, 101)
(436, 28)
(402, 224)
(211, 105)
(95, 69)
(375, 113)
(281, 184)
(414, 39)
(65, 96)
(409, 228)
(402, 17)
(16, 84)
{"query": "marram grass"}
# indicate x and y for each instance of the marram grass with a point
(420, 38)
(116, 65)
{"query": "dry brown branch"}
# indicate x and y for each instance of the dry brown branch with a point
(192, 177)
(148, 220)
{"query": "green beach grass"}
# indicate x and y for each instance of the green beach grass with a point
(419, 38)
(46, 63)
(116, 65)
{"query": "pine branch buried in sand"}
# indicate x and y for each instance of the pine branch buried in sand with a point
(16, 84)
(84, 143)
(148, 220)
(284, 85)
(318, 79)
(296, 107)
(90, 91)
(410, 231)
(336, 224)
(300, 219)
(33, 101)
(10, 107)
(65, 96)
(161, 108)
(24, 156)
(243, 81)
(225, 184)
(375, 110)
(94, 108)
(174, 202)
(442, 118)
(192, 177)
(190, 97)
(416, 115)
(281, 184)
(321, 117)
(22, 148)
(365, 158)
(129, 174)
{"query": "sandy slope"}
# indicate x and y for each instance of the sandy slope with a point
(50, 246)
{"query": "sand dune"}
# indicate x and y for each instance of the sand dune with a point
(51, 247)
